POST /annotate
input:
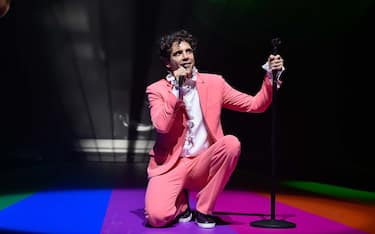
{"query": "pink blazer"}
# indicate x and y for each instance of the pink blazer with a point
(170, 121)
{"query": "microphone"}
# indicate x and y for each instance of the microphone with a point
(181, 81)
(276, 42)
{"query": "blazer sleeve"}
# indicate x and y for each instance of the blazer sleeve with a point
(239, 101)
(163, 106)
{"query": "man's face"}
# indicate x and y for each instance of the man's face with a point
(182, 55)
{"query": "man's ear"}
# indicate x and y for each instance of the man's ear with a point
(167, 64)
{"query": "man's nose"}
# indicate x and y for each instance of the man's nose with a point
(185, 55)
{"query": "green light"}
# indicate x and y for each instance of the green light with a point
(10, 199)
(332, 190)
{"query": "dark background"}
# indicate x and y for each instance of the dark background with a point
(77, 69)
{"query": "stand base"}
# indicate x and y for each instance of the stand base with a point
(272, 223)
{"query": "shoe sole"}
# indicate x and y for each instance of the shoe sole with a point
(206, 225)
(187, 219)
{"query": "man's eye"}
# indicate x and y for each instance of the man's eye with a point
(177, 53)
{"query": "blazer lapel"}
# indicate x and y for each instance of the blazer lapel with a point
(203, 93)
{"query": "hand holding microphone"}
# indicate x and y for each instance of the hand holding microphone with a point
(180, 75)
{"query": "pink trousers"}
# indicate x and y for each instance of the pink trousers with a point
(206, 173)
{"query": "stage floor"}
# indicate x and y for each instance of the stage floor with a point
(85, 198)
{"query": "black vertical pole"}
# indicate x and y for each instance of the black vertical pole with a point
(273, 222)
(275, 43)
(273, 144)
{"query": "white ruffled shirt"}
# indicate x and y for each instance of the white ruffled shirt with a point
(196, 139)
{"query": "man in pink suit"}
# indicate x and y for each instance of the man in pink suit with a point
(191, 151)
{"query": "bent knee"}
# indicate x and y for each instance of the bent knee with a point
(233, 145)
(159, 219)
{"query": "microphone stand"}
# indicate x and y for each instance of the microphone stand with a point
(273, 222)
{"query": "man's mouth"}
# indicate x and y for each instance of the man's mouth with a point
(185, 65)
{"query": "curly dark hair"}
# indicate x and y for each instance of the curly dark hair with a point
(167, 41)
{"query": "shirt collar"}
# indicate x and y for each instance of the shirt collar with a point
(173, 80)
